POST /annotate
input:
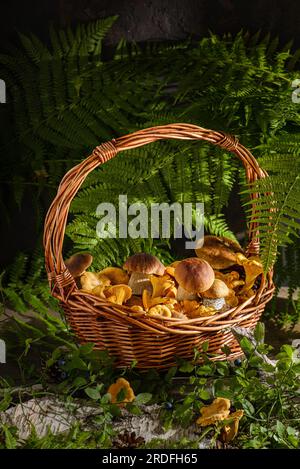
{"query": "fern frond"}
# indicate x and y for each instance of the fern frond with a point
(277, 209)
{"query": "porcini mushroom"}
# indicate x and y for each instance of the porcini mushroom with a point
(170, 270)
(78, 263)
(141, 266)
(220, 252)
(183, 294)
(193, 276)
(215, 295)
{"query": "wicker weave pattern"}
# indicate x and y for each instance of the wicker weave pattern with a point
(130, 335)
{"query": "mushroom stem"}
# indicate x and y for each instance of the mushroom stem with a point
(183, 294)
(139, 282)
(216, 303)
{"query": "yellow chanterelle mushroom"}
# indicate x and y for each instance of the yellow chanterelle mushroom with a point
(116, 275)
(118, 294)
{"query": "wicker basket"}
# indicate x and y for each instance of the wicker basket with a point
(128, 335)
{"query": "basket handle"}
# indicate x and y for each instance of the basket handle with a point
(56, 218)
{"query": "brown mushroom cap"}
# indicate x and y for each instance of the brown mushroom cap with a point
(219, 251)
(78, 263)
(218, 289)
(194, 275)
(144, 263)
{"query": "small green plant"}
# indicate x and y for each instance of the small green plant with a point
(267, 392)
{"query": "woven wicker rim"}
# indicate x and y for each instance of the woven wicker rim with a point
(63, 284)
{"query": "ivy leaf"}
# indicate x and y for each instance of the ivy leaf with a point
(205, 346)
(248, 407)
(93, 393)
(203, 394)
(143, 398)
(79, 381)
(222, 368)
(296, 368)
(204, 370)
(134, 409)
(76, 363)
(186, 367)
(115, 410)
(259, 332)
(246, 346)
(280, 429)
(170, 374)
(86, 348)
(106, 398)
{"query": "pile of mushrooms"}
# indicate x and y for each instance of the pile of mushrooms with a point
(219, 278)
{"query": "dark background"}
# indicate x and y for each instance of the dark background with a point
(139, 20)
(144, 20)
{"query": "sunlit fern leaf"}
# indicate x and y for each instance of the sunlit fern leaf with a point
(223, 168)
(217, 225)
(282, 196)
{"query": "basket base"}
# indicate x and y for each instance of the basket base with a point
(128, 344)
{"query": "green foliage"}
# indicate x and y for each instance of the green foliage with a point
(170, 167)
(76, 438)
(278, 207)
(27, 304)
(24, 286)
(268, 395)
(64, 99)
(241, 85)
